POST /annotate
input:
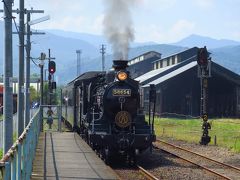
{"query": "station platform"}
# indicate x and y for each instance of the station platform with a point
(66, 156)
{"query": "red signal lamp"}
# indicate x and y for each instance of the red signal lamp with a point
(51, 67)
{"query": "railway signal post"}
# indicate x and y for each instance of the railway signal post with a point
(152, 105)
(41, 65)
(51, 71)
(204, 72)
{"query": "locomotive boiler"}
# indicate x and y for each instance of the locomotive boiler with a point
(107, 113)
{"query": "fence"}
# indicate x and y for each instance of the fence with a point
(1, 134)
(56, 117)
(33, 111)
(17, 162)
(1, 128)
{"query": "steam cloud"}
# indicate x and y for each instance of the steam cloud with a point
(118, 26)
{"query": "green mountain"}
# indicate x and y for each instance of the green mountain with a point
(63, 47)
(228, 57)
(200, 41)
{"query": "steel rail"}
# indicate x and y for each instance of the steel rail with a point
(221, 163)
(147, 174)
(203, 167)
(199, 155)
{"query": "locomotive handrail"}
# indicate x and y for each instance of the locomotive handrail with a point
(17, 162)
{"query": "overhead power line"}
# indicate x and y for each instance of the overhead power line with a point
(15, 24)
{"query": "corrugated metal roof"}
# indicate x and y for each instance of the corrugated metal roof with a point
(152, 73)
(172, 74)
(155, 52)
(86, 75)
(174, 54)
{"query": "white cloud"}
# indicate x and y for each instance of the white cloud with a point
(97, 26)
(182, 28)
(156, 33)
(154, 20)
(66, 23)
(236, 35)
(206, 4)
(158, 3)
(151, 32)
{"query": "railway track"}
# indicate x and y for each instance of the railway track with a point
(146, 173)
(133, 172)
(220, 169)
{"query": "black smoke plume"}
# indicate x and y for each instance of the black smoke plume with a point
(118, 26)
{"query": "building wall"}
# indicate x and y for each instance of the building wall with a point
(15, 87)
(176, 58)
(181, 95)
(14, 103)
(141, 67)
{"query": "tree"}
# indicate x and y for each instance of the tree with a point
(35, 75)
(34, 96)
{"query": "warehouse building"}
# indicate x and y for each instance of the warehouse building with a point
(143, 63)
(178, 87)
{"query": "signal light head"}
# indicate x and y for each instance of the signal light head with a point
(122, 75)
(202, 57)
(51, 67)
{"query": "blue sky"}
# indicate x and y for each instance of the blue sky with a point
(162, 21)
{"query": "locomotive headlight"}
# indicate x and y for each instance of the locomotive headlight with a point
(122, 76)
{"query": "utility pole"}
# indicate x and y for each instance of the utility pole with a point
(50, 77)
(27, 75)
(78, 61)
(28, 58)
(41, 65)
(102, 51)
(21, 11)
(8, 72)
(20, 104)
(41, 98)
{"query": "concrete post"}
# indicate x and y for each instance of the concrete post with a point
(27, 75)
(8, 72)
(41, 97)
(20, 101)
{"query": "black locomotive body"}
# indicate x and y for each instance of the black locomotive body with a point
(107, 112)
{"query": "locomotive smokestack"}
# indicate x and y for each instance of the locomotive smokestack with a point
(120, 65)
(118, 26)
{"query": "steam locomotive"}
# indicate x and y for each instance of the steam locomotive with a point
(104, 108)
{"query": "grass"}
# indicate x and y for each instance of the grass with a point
(227, 131)
(1, 153)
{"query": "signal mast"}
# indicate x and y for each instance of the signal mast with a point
(204, 72)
